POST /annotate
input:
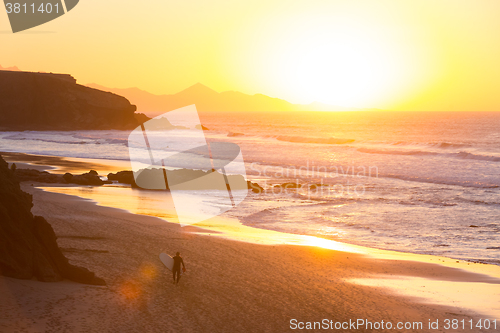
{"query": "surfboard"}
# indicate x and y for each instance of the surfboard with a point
(167, 260)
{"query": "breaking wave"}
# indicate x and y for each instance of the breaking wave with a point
(462, 154)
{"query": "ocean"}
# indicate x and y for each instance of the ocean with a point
(420, 182)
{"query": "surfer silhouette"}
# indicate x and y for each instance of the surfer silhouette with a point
(176, 270)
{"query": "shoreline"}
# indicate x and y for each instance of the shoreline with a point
(377, 266)
(229, 285)
(60, 164)
(483, 279)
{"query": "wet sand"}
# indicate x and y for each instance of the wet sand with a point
(60, 165)
(230, 285)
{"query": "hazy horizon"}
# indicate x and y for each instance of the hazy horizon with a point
(388, 55)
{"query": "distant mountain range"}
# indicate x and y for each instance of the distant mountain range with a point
(12, 69)
(207, 99)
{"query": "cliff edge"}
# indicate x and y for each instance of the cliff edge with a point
(46, 101)
(28, 246)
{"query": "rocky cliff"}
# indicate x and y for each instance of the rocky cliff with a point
(45, 101)
(28, 246)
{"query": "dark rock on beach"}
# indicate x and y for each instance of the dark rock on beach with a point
(37, 176)
(124, 177)
(67, 177)
(89, 178)
(28, 246)
(256, 188)
(180, 176)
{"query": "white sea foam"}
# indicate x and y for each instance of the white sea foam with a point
(436, 189)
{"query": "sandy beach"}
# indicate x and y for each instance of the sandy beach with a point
(320, 166)
(229, 286)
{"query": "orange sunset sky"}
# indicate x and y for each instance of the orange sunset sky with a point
(388, 54)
